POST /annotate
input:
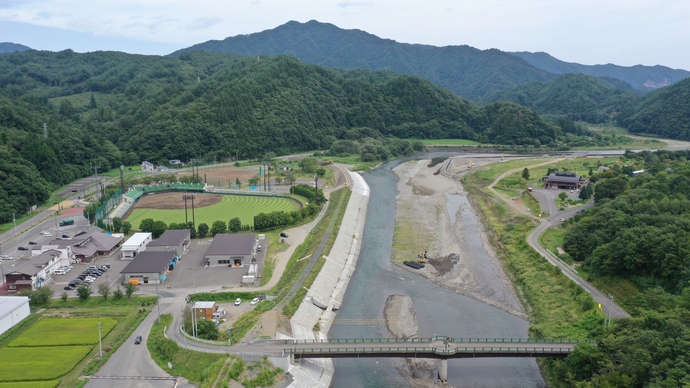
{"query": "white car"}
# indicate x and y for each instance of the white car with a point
(254, 301)
(238, 301)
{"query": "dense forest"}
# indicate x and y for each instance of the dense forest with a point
(109, 108)
(665, 112)
(574, 97)
(637, 232)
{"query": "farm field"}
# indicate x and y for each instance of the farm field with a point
(169, 207)
(48, 350)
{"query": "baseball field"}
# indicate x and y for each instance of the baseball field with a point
(170, 207)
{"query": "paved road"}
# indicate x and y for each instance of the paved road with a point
(610, 307)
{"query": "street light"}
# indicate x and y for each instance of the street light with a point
(158, 302)
(609, 312)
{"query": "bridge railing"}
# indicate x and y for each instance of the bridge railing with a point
(437, 338)
(422, 350)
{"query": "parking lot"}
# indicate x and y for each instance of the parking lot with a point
(190, 272)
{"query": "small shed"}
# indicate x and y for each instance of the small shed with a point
(205, 310)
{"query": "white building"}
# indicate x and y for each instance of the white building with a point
(135, 245)
(13, 309)
(147, 166)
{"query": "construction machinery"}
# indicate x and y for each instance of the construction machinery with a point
(423, 257)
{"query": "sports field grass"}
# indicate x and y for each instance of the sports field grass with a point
(243, 206)
(63, 331)
(39, 363)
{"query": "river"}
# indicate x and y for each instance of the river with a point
(439, 311)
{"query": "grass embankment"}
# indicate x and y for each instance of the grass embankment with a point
(59, 345)
(449, 142)
(558, 308)
(206, 370)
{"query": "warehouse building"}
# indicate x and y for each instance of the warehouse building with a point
(171, 240)
(135, 245)
(148, 268)
(13, 309)
(231, 250)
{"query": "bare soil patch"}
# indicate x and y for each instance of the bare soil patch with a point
(174, 200)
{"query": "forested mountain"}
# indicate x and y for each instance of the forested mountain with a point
(8, 47)
(639, 76)
(467, 71)
(665, 112)
(572, 96)
(113, 108)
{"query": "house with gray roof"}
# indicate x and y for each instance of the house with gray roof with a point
(33, 273)
(564, 180)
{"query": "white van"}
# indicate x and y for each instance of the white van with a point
(59, 271)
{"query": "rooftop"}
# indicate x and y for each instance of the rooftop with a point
(171, 238)
(149, 262)
(11, 303)
(137, 239)
(232, 244)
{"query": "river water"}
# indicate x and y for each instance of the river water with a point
(439, 311)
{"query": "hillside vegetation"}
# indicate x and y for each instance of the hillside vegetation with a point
(465, 70)
(665, 112)
(635, 243)
(572, 96)
(109, 108)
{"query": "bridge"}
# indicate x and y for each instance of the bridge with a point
(442, 348)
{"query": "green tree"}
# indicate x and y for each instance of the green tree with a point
(320, 172)
(207, 329)
(309, 165)
(235, 225)
(192, 231)
(253, 181)
(203, 230)
(130, 289)
(146, 225)
(218, 227)
(159, 227)
(118, 294)
(525, 174)
(126, 227)
(64, 297)
(104, 290)
(563, 196)
(83, 292)
(238, 183)
(117, 224)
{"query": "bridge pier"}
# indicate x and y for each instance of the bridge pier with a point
(443, 371)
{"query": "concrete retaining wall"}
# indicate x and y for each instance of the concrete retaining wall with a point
(329, 288)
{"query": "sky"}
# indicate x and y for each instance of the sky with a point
(622, 32)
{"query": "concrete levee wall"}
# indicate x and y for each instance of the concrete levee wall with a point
(329, 288)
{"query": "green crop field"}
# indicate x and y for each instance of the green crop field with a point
(39, 363)
(243, 206)
(31, 384)
(63, 331)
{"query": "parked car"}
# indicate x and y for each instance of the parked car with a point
(32, 243)
(68, 288)
(254, 301)
(561, 219)
(283, 234)
(65, 236)
(258, 248)
(23, 248)
(137, 340)
(238, 301)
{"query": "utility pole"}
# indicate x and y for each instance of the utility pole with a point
(100, 347)
(158, 302)
(193, 218)
(186, 218)
(14, 219)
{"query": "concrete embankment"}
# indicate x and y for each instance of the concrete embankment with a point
(327, 291)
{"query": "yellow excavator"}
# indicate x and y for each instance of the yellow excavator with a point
(423, 257)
